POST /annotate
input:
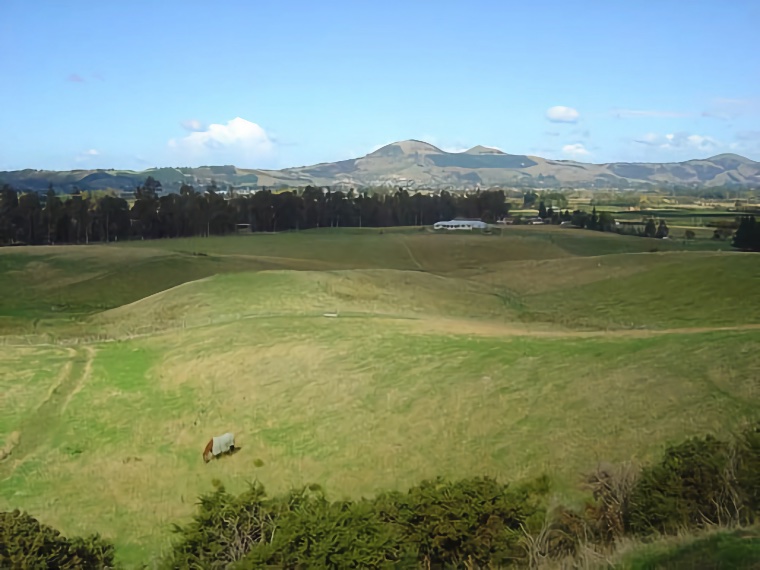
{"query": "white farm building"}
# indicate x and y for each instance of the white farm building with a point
(460, 224)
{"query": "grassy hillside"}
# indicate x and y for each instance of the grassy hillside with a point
(735, 550)
(514, 355)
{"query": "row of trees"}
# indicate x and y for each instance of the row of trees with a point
(470, 523)
(603, 222)
(28, 218)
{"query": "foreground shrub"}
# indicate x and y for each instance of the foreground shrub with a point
(26, 543)
(226, 527)
(320, 534)
(437, 523)
(748, 470)
(692, 486)
(474, 521)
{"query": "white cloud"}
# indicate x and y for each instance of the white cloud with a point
(699, 141)
(239, 142)
(193, 125)
(560, 114)
(674, 141)
(575, 150)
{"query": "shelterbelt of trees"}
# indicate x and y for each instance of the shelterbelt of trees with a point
(479, 522)
(80, 219)
(29, 219)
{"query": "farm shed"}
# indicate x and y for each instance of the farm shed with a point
(460, 224)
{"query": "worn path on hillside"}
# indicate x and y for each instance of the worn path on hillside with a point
(486, 328)
(412, 324)
(32, 432)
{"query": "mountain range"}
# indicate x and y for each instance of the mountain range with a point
(417, 164)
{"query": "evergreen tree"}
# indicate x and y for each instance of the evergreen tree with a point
(650, 230)
(748, 234)
(593, 221)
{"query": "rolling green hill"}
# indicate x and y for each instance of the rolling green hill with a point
(508, 355)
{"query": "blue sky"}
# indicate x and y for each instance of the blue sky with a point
(136, 84)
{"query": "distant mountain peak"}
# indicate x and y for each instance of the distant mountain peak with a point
(480, 149)
(411, 146)
(731, 156)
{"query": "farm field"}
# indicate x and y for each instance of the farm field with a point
(533, 350)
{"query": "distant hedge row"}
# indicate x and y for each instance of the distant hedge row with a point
(471, 523)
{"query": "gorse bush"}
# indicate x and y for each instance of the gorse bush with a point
(700, 482)
(682, 491)
(748, 470)
(226, 527)
(438, 523)
(26, 543)
(703, 481)
(321, 534)
(474, 520)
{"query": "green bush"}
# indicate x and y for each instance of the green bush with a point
(26, 543)
(748, 470)
(441, 523)
(320, 534)
(688, 488)
(475, 520)
(225, 528)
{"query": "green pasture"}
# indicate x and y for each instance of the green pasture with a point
(533, 350)
(359, 404)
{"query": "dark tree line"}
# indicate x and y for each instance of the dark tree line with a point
(747, 234)
(601, 222)
(29, 218)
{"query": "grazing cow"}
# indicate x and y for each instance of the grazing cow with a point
(218, 445)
